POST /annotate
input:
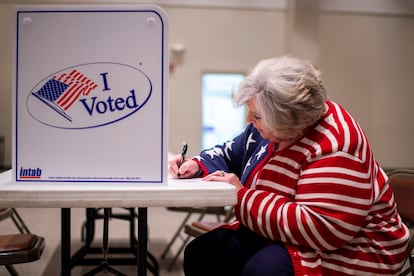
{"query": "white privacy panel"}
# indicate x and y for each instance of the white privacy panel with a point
(90, 94)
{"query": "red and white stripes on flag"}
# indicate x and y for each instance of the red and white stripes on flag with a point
(78, 85)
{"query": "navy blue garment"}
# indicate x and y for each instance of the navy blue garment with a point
(241, 156)
(241, 252)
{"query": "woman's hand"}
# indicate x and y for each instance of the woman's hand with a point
(224, 177)
(188, 169)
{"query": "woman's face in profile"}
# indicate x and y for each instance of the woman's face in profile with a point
(254, 116)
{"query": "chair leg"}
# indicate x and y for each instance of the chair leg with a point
(185, 241)
(17, 219)
(408, 271)
(12, 270)
(176, 234)
(132, 239)
(177, 255)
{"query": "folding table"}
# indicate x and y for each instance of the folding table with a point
(191, 192)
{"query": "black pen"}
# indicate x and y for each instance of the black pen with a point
(183, 153)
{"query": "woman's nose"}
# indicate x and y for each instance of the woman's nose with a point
(248, 117)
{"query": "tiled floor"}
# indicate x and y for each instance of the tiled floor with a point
(46, 222)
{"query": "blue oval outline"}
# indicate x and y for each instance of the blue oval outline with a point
(103, 124)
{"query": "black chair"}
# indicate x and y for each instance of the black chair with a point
(199, 227)
(20, 248)
(402, 183)
(220, 212)
(12, 213)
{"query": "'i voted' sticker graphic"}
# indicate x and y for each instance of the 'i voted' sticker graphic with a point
(89, 95)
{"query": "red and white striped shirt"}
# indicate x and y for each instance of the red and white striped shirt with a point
(328, 200)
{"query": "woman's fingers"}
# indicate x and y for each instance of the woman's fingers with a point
(217, 176)
(222, 176)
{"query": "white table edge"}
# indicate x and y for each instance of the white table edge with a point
(175, 193)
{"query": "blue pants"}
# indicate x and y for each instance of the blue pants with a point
(241, 252)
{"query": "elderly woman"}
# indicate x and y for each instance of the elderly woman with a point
(312, 199)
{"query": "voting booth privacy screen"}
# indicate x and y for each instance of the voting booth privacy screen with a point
(90, 94)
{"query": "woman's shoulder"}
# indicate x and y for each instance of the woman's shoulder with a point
(341, 122)
(337, 132)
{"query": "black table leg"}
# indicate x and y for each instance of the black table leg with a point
(142, 250)
(65, 242)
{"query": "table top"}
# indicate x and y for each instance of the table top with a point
(177, 193)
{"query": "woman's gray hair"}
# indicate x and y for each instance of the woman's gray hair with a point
(288, 92)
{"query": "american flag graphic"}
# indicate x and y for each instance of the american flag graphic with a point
(61, 92)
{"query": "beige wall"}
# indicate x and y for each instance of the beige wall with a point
(218, 40)
(368, 65)
(366, 60)
(6, 78)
